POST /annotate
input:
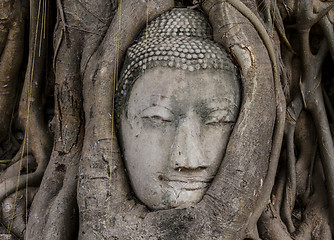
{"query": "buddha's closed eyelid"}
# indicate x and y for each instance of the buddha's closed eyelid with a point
(157, 114)
(219, 116)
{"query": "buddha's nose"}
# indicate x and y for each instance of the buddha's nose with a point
(186, 152)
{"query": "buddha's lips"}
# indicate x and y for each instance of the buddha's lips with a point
(186, 183)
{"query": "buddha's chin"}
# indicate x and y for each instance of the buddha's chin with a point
(175, 193)
(181, 198)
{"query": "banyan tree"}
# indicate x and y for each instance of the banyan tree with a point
(166, 119)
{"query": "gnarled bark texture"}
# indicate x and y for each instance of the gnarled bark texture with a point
(61, 170)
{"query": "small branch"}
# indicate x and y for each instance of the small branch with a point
(307, 193)
(293, 113)
(307, 21)
(305, 53)
(328, 104)
(278, 21)
(290, 187)
(327, 28)
(57, 49)
(321, 55)
(62, 17)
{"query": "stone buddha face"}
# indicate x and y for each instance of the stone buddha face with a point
(174, 133)
(177, 101)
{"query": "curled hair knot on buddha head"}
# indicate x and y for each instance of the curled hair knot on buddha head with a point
(179, 39)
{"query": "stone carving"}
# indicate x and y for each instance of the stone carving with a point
(62, 173)
(178, 99)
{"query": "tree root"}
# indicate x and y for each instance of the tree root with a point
(16, 183)
(313, 98)
(31, 112)
(317, 109)
(271, 226)
(11, 48)
(290, 186)
(27, 165)
(59, 220)
(14, 216)
(280, 113)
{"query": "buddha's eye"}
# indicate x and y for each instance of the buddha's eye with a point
(157, 115)
(219, 117)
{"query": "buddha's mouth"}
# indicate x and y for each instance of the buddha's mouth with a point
(186, 183)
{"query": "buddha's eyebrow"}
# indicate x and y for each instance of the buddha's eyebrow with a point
(212, 102)
(158, 106)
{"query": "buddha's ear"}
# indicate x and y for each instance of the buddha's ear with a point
(101, 150)
(243, 180)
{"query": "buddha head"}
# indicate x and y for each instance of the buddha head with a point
(177, 101)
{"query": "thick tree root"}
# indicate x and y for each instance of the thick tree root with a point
(12, 16)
